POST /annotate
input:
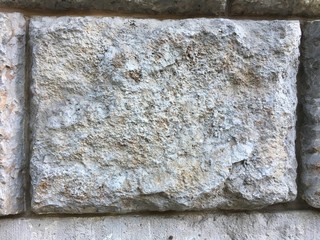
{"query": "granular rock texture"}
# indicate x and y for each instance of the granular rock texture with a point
(12, 40)
(293, 225)
(137, 115)
(191, 7)
(310, 94)
(258, 7)
(306, 8)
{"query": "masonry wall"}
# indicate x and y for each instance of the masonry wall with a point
(159, 119)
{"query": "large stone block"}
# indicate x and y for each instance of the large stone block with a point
(189, 7)
(12, 50)
(136, 115)
(310, 96)
(294, 225)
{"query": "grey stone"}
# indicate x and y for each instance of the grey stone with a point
(310, 95)
(12, 42)
(189, 7)
(258, 7)
(294, 225)
(136, 115)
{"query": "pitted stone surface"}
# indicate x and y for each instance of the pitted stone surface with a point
(137, 115)
(12, 41)
(189, 7)
(310, 97)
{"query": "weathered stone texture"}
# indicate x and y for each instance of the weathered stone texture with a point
(310, 96)
(308, 8)
(295, 225)
(12, 41)
(135, 115)
(192, 7)
(258, 7)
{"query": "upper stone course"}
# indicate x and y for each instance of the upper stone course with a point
(188, 7)
(306, 8)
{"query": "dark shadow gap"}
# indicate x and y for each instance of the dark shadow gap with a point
(161, 16)
(27, 182)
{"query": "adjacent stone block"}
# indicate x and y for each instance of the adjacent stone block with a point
(137, 115)
(293, 225)
(258, 7)
(310, 96)
(12, 42)
(189, 7)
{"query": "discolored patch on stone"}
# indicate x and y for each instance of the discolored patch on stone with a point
(12, 51)
(145, 115)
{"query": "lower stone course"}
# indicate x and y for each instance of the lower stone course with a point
(283, 225)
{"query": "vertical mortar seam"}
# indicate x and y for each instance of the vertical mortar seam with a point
(299, 121)
(228, 8)
(27, 178)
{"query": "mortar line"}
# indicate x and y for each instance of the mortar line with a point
(100, 13)
(27, 142)
(228, 8)
(300, 117)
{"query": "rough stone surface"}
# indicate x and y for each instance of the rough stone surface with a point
(136, 115)
(310, 97)
(296, 225)
(308, 8)
(258, 7)
(192, 7)
(12, 41)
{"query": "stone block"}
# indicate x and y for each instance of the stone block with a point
(145, 115)
(306, 8)
(12, 51)
(258, 7)
(294, 225)
(189, 7)
(310, 96)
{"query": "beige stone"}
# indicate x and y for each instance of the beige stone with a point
(146, 115)
(294, 225)
(12, 50)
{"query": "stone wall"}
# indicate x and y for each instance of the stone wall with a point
(159, 119)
